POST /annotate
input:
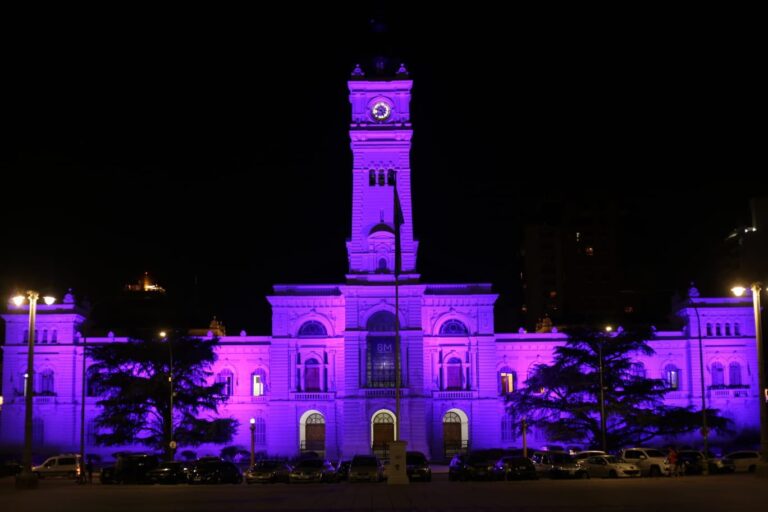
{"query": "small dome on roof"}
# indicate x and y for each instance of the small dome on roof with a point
(382, 226)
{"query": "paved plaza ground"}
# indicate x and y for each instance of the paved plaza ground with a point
(724, 493)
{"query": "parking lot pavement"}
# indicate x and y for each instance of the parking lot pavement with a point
(715, 493)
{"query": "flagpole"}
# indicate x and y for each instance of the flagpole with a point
(398, 424)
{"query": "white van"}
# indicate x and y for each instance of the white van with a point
(66, 465)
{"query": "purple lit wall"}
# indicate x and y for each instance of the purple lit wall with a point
(321, 381)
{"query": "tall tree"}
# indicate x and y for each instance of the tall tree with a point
(563, 399)
(154, 391)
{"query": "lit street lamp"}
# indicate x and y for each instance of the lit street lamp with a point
(26, 479)
(253, 441)
(739, 291)
(603, 443)
(171, 442)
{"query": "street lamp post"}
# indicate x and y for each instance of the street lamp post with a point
(171, 442)
(704, 427)
(253, 441)
(763, 386)
(26, 479)
(603, 428)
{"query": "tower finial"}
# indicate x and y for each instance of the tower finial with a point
(402, 71)
(357, 72)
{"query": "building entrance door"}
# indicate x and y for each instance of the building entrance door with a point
(314, 433)
(383, 433)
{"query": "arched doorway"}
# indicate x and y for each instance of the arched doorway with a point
(312, 432)
(382, 432)
(455, 432)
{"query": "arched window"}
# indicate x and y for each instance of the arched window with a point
(258, 382)
(390, 177)
(381, 321)
(507, 381)
(718, 374)
(672, 376)
(25, 339)
(718, 332)
(382, 178)
(372, 178)
(312, 328)
(453, 328)
(709, 329)
(227, 379)
(727, 329)
(380, 350)
(734, 374)
(45, 335)
(637, 370)
(382, 265)
(260, 432)
(312, 375)
(736, 329)
(454, 375)
(54, 336)
(46, 383)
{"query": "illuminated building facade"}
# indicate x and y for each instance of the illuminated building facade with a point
(323, 380)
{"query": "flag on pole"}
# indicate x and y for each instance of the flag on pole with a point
(398, 214)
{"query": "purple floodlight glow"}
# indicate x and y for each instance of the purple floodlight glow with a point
(323, 381)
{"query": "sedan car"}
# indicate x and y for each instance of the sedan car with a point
(366, 468)
(312, 470)
(693, 462)
(511, 467)
(608, 466)
(268, 472)
(169, 473)
(215, 473)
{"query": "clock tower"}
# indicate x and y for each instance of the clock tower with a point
(380, 134)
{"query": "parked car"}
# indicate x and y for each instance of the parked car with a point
(693, 463)
(652, 462)
(312, 470)
(478, 465)
(65, 465)
(129, 468)
(557, 464)
(342, 470)
(583, 455)
(744, 460)
(513, 467)
(9, 467)
(268, 472)
(417, 467)
(169, 472)
(215, 472)
(366, 468)
(609, 466)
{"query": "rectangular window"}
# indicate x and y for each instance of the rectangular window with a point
(258, 385)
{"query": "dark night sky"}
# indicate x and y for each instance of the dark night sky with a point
(214, 146)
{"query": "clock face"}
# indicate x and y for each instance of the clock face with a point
(381, 110)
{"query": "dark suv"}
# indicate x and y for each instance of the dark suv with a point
(417, 467)
(129, 468)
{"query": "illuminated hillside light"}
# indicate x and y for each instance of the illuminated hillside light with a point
(49, 300)
(738, 291)
(18, 300)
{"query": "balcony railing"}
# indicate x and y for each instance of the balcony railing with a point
(312, 395)
(383, 392)
(453, 395)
